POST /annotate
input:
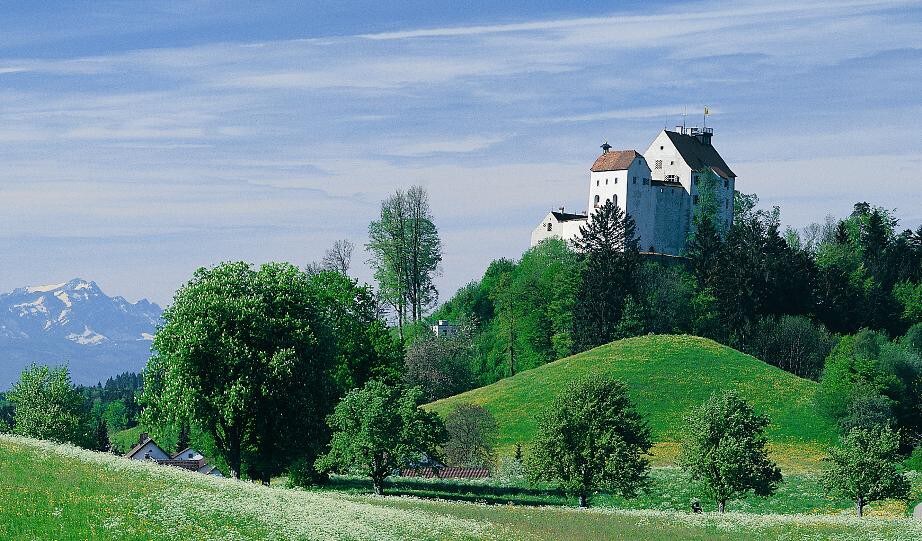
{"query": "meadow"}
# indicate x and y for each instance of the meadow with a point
(667, 376)
(50, 491)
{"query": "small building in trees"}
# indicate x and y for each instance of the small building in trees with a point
(445, 328)
(663, 189)
(187, 459)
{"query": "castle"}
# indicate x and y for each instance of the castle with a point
(658, 188)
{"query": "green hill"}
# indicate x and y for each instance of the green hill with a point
(58, 492)
(667, 377)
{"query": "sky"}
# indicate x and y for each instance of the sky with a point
(141, 140)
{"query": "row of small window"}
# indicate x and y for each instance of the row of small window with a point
(633, 181)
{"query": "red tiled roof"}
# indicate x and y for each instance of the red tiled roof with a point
(447, 473)
(614, 160)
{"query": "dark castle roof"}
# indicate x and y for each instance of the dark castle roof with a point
(699, 155)
(567, 216)
(614, 160)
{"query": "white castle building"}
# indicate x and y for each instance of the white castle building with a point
(658, 188)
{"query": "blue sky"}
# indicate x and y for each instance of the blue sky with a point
(139, 141)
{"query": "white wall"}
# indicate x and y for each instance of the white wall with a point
(561, 230)
(155, 452)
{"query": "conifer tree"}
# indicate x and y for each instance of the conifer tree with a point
(609, 245)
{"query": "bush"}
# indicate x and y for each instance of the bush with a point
(914, 462)
(471, 437)
(794, 344)
(441, 365)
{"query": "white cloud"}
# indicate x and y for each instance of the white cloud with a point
(450, 146)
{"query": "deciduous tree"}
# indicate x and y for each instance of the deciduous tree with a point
(471, 437)
(245, 354)
(592, 439)
(47, 406)
(378, 429)
(725, 448)
(864, 467)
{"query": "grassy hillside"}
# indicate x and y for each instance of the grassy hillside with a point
(58, 492)
(667, 377)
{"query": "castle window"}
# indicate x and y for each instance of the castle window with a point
(726, 184)
(606, 181)
(596, 201)
(671, 163)
(659, 163)
(634, 180)
(549, 226)
(646, 181)
(597, 183)
(661, 148)
(615, 200)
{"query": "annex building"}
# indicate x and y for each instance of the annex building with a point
(658, 188)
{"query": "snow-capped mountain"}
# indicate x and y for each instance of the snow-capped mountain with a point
(77, 324)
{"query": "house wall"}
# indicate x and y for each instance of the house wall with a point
(673, 217)
(561, 230)
(156, 452)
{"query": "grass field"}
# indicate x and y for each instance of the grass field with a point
(667, 377)
(62, 493)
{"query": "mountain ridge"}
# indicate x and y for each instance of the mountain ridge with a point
(77, 324)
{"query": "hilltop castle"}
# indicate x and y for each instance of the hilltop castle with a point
(658, 188)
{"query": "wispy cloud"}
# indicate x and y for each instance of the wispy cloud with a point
(304, 136)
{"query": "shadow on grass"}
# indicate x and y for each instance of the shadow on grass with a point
(454, 491)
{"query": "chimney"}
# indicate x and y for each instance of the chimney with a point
(561, 210)
(605, 147)
(143, 437)
(704, 135)
(680, 129)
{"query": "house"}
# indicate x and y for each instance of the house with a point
(660, 189)
(445, 328)
(187, 459)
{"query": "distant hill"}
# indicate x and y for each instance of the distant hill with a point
(74, 323)
(667, 377)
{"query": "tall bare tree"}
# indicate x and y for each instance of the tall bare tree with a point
(339, 257)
